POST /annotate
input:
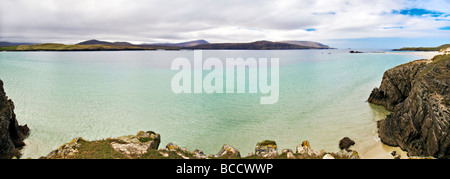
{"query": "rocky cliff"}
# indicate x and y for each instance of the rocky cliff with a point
(11, 134)
(418, 95)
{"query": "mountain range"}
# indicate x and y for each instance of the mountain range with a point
(183, 44)
(8, 44)
(203, 44)
(97, 45)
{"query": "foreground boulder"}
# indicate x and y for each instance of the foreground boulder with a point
(305, 149)
(11, 133)
(137, 145)
(266, 149)
(346, 143)
(227, 151)
(418, 94)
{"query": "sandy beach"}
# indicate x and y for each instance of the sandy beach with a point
(427, 55)
(378, 150)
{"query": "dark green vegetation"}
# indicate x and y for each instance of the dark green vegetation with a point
(423, 48)
(62, 47)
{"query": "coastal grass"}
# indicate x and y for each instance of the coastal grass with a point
(63, 47)
(424, 48)
(97, 150)
(102, 149)
(9, 48)
(439, 62)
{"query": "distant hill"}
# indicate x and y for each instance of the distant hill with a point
(77, 47)
(98, 42)
(8, 44)
(184, 44)
(308, 44)
(258, 45)
(97, 45)
(423, 48)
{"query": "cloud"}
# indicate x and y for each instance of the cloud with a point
(71, 21)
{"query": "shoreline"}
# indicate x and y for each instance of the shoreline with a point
(415, 93)
(427, 55)
(378, 150)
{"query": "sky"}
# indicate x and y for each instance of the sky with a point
(381, 24)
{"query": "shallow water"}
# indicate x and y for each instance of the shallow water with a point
(323, 93)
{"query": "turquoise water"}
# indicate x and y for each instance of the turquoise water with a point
(63, 95)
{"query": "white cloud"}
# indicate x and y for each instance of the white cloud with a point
(217, 21)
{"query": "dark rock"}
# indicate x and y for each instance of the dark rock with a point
(396, 85)
(11, 133)
(418, 95)
(355, 51)
(346, 143)
(395, 155)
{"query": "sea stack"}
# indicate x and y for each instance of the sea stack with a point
(418, 94)
(11, 133)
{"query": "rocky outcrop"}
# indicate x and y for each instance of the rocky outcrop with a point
(129, 146)
(266, 149)
(11, 133)
(66, 150)
(418, 95)
(305, 149)
(227, 151)
(396, 85)
(137, 145)
(134, 147)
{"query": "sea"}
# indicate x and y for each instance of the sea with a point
(95, 95)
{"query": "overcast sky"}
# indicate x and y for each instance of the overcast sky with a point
(339, 23)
